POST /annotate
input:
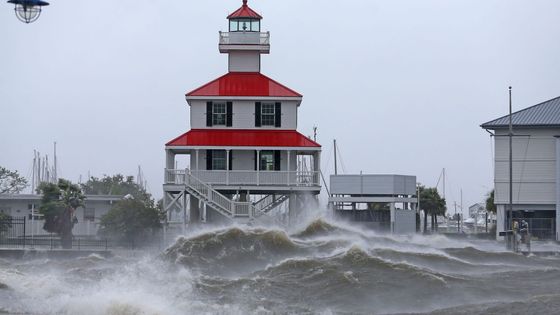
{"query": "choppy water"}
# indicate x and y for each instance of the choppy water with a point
(321, 269)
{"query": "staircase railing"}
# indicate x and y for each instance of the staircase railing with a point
(269, 202)
(218, 201)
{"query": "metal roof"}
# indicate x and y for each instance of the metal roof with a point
(245, 12)
(545, 114)
(244, 84)
(242, 138)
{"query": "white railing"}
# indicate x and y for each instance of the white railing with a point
(244, 38)
(244, 209)
(174, 176)
(206, 191)
(229, 207)
(262, 205)
(237, 178)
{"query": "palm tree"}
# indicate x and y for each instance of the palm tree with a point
(58, 205)
(490, 206)
(432, 203)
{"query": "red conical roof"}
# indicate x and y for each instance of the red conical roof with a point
(244, 84)
(244, 12)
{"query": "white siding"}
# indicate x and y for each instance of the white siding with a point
(245, 160)
(534, 167)
(244, 61)
(198, 114)
(373, 184)
(405, 222)
(244, 115)
(526, 193)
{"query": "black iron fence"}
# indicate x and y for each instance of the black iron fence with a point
(13, 234)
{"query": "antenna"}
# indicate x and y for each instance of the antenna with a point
(314, 133)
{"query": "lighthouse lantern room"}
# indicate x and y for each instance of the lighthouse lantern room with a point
(246, 158)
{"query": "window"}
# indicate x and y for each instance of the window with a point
(233, 26)
(255, 26)
(89, 214)
(244, 25)
(267, 114)
(219, 114)
(219, 160)
(267, 161)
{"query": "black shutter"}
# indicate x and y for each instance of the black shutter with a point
(256, 162)
(208, 114)
(277, 115)
(276, 160)
(257, 114)
(209, 160)
(230, 160)
(229, 116)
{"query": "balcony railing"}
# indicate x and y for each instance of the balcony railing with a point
(247, 178)
(244, 38)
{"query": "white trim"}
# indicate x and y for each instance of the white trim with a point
(244, 98)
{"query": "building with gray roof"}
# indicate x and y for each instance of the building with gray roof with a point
(536, 168)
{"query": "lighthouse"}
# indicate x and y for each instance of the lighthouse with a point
(245, 155)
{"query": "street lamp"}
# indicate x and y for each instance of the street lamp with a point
(28, 11)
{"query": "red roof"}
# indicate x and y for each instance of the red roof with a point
(245, 12)
(244, 84)
(242, 138)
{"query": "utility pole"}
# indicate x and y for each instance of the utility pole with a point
(444, 183)
(455, 204)
(32, 193)
(461, 214)
(510, 134)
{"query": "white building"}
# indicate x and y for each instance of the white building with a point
(244, 153)
(89, 216)
(381, 202)
(536, 168)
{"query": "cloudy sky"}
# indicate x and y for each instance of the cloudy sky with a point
(402, 85)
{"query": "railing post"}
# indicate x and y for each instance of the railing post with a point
(227, 166)
(24, 235)
(258, 163)
(288, 162)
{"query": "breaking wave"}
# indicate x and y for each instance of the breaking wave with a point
(323, 268)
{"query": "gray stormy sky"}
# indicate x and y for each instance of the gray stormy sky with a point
(402, 85)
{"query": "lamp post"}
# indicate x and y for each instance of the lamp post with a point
(28, 11)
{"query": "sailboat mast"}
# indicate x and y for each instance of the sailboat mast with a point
(335, 164)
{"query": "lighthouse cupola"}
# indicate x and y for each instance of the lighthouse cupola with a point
(244, 42)
(244, 20)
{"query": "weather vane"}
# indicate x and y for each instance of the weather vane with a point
(28, 11)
